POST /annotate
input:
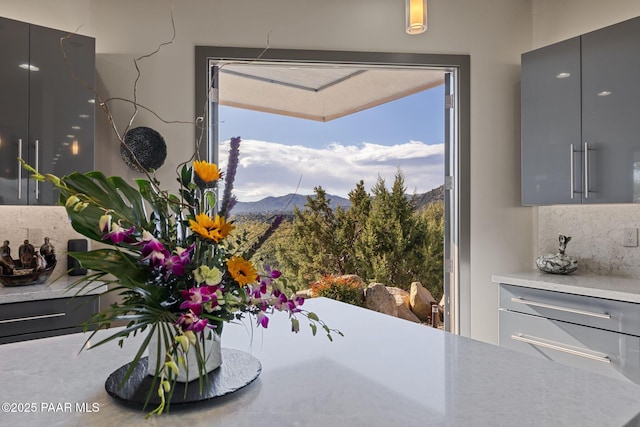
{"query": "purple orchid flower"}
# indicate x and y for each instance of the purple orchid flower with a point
(262, 319)
(294, 304)
(177, 263)
(195, 297)
(114, 232)
(272, 274)
(191, 322)
(153, 250)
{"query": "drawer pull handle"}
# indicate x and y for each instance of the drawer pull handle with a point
(556, 346)
(560, 308)
(42, 316)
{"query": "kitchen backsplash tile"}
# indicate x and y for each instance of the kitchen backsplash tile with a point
(48, 221)
(597, 237)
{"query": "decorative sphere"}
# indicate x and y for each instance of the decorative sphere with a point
(147, 146)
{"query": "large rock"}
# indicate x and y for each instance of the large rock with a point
(305, 293)
(377, 298)
(402, 304)
(405, 313)
(401, 296)
(420, 300)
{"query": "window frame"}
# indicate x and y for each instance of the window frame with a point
(457, 240)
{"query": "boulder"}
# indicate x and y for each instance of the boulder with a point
(377, 298)
(420, 300)
(404, 312)
(305, 293)
(401, 296)
(402, 304)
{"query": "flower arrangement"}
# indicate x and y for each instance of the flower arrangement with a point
(171, 260)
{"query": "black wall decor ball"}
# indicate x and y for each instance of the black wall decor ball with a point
(146, 145)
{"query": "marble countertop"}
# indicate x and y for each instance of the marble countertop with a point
(385, 371)
(610, 287)
(50, 290)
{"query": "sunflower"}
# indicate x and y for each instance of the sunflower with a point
(214, 229)
(241, 270)
(206, 174)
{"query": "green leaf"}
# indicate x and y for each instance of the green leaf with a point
(118, 263)
(185, 176)
(311, 315)
(211, 198)
(295, 325)
(106, 194)
(314, 328)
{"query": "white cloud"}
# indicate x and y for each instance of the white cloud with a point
(273, 169)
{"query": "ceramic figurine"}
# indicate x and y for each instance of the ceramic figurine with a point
(48, 252)
(26, 252)
(39, 262)
(558, 263)
(6, 262)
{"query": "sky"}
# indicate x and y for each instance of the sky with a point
(281, 155)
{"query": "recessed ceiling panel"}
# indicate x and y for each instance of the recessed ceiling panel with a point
(318, 92)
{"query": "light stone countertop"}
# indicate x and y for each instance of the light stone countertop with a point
(50, 290)
(609, 287)
(385, 371)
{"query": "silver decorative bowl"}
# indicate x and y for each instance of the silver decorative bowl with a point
(557, 264)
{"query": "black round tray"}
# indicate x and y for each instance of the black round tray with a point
(238, 370)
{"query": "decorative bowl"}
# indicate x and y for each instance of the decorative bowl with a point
(557, 264)
(25, 278)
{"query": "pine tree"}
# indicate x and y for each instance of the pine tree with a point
(318, 240)
(393, 237)
(382, 237)
(432, 218)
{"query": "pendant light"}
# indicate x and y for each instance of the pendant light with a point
(416, 11)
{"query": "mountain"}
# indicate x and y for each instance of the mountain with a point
(435, 195)
(283, 204)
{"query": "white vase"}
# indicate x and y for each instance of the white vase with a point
(210, 350)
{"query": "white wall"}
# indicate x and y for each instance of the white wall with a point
(596, 230)
(493, 32)
(555, 20)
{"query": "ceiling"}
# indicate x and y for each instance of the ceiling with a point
(318, 92)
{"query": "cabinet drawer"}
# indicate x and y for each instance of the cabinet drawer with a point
(609, 353)
(617, 316)
(24, 318)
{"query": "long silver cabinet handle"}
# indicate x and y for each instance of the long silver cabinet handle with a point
(561, 308)
(37, 168)
(586, 170)
(42, 316)
(557, 346)
(571, 183)
(19, 169)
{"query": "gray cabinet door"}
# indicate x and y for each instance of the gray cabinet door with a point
(61, 116)
(45, 114)
(14, 98)
(551, 120)
(611, 112)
